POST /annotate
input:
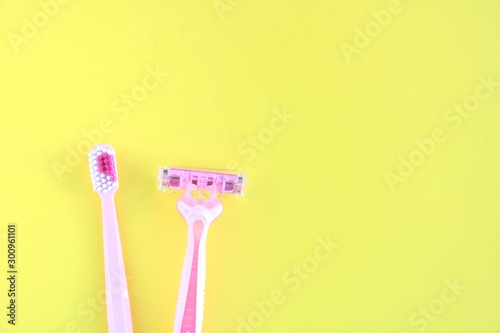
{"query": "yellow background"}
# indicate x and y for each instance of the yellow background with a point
(230, 69)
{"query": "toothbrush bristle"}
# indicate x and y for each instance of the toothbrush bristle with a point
(103, 168)
(106, 165)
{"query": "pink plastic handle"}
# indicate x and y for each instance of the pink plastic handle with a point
(117, 298)
(199, 215)
(194, 276)
(189, 314)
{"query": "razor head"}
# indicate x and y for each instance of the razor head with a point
(222, 182)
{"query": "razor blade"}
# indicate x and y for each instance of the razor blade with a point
(223, 182)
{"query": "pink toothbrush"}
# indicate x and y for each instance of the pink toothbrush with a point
(105, 181)
(199, 206)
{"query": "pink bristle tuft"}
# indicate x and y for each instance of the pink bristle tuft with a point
(106, 165)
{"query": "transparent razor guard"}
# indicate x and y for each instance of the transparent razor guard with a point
(225, 182)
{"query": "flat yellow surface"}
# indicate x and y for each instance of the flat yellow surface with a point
(369, 131)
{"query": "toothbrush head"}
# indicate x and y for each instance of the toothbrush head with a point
(221, 182)
(103, 171)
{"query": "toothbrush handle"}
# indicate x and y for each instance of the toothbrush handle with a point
(117, 299)
(189, 312)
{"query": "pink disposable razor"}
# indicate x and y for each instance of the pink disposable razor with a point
(105, 182)
(200, 206)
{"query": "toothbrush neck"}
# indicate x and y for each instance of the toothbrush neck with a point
(109, 196)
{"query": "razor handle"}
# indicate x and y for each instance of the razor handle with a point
(190, 304)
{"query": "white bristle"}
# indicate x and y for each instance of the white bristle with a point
(102, 183)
